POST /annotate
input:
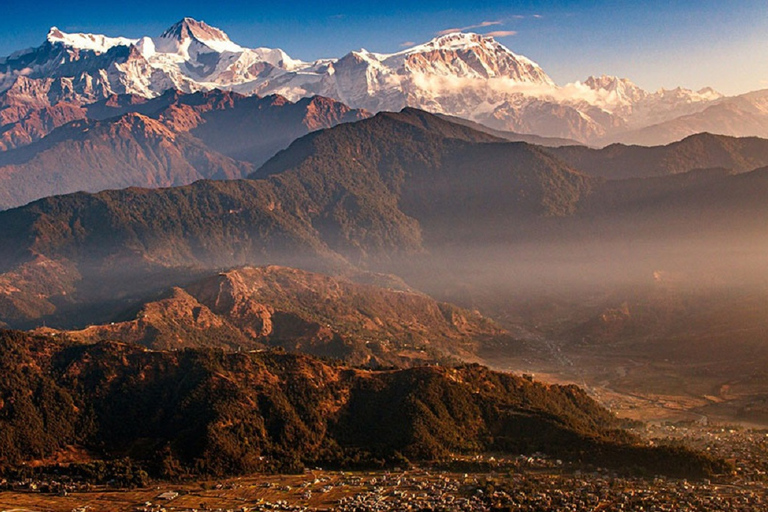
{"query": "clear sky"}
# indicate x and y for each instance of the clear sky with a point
(718, 43)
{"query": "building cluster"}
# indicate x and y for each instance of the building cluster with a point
(507, 487)
(56, 486)
(474, 483)
(746, 449)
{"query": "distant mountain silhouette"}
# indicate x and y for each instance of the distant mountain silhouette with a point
(699, 151)
(171, 140)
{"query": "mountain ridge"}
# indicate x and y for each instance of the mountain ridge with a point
(302, 312)
(461, 74)
(214, 413)
(174, 139)
(698, 151)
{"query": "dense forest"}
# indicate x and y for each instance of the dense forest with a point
(206, 411)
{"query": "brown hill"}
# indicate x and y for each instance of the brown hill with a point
(303, 312)
(444, 175)
(174, 322)
(133, 150)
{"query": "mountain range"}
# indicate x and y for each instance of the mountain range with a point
(460, 74)
(442, 205)
(335, 199)
(178, 138)
(174, 139)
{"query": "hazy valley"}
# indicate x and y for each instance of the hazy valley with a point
(222, 261)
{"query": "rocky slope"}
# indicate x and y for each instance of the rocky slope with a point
(304, 312)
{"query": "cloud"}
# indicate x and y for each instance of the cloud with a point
(488, 24)
(525, 16)
(501, 33)
(482, 24)
(503, 89)
(406, 44)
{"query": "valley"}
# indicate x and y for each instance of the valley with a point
(523, 218)
(432, 278)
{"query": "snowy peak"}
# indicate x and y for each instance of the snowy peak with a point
(472, 55)
(188, 30)
(93, 42)
(622, 89)
(458, 41)
(610, 83)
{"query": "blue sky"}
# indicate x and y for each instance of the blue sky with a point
(723, 44)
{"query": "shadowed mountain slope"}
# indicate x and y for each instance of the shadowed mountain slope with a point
(217, 413)
(699, 151)
(171, 140)
(133, 150)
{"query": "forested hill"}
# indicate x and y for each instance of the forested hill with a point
(225, 413)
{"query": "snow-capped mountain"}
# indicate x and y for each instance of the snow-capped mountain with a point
(445, 75)
(189, 56)
(639, 108)
(466, 75)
